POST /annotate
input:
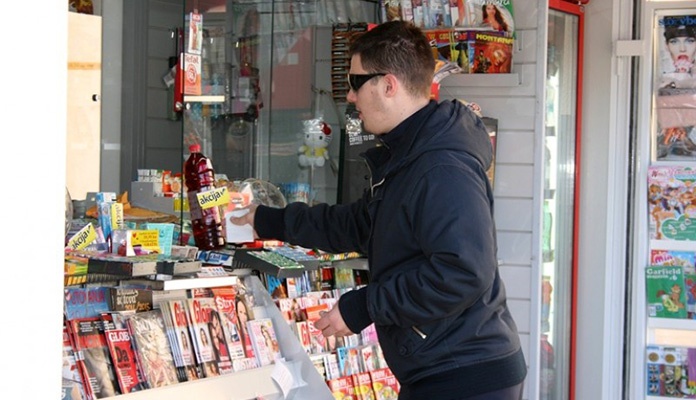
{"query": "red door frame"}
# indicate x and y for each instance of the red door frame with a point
(575, 8)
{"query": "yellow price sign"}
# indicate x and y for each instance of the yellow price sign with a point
(213, 198)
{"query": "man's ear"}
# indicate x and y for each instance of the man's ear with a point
(391, 85)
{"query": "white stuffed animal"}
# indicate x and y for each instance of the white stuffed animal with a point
(317, 136)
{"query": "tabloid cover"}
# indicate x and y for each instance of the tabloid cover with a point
(264, 340)
(71, 372)
(180, 322)
(152, 348)
(318, 341)
(94, 361)
(123, 357)
(225, 299)
(200, 332)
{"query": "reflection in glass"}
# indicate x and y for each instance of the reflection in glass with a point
(559, 194)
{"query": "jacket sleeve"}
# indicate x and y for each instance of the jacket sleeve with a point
(332, 228)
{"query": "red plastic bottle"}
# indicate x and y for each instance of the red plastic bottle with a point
(206, 223)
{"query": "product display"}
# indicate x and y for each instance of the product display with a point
(206, 221)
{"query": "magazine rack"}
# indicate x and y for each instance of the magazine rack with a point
(305, 384)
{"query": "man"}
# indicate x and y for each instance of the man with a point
(426, 226)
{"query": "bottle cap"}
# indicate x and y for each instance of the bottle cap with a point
(195, 148)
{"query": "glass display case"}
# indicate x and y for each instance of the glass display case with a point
(258, 90)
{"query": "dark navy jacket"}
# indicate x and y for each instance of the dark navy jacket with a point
(426, 225)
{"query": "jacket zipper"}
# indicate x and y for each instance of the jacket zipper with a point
(419, 332)
(372, 187)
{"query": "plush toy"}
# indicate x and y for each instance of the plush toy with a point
(317, 136)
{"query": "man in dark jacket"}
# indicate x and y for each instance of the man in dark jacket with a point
(426, 225)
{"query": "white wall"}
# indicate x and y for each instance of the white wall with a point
(33, 107)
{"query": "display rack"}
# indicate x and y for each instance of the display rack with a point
(259, 382)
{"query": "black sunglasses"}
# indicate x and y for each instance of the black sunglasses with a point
(355, 81)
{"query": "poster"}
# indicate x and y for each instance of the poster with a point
(675, 87)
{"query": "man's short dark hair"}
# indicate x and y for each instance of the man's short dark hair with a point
(399, 48)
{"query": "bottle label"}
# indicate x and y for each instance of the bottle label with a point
(213, 198)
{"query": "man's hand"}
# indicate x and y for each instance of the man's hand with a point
(331, 323)
(247, 219)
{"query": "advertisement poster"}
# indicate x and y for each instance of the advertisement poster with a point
(675, 84)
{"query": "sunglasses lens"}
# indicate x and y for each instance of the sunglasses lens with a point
(355, 81)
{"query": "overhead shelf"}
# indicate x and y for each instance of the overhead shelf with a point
(482, 80)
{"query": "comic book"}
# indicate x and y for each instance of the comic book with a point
(200, 333)
(182, 339)
(441, 43)
(225, 300)
(671, 204)
(264, 340)
(686, 259)
(665, 291)
(123, 356)
(93, 358)
(490, 52)
(152, 349)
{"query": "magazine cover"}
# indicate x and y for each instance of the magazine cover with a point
(183, 342)
(675, 85)
(317, 340)
(71, 372)
(495, 15)
(342, 388)
(362, 382)
(85, 302)
(665, 291)
(152, 349)
(264, 340)
(671, 205)
(490, 52)
(385, 385)
(123, 357)
(225, 300)
(95, 362)
(200, 332)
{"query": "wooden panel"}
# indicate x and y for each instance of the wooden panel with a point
(83, 119)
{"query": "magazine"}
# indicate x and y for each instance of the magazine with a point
(152, 349)
(95, 362)
(264, 340)
(671, 204)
